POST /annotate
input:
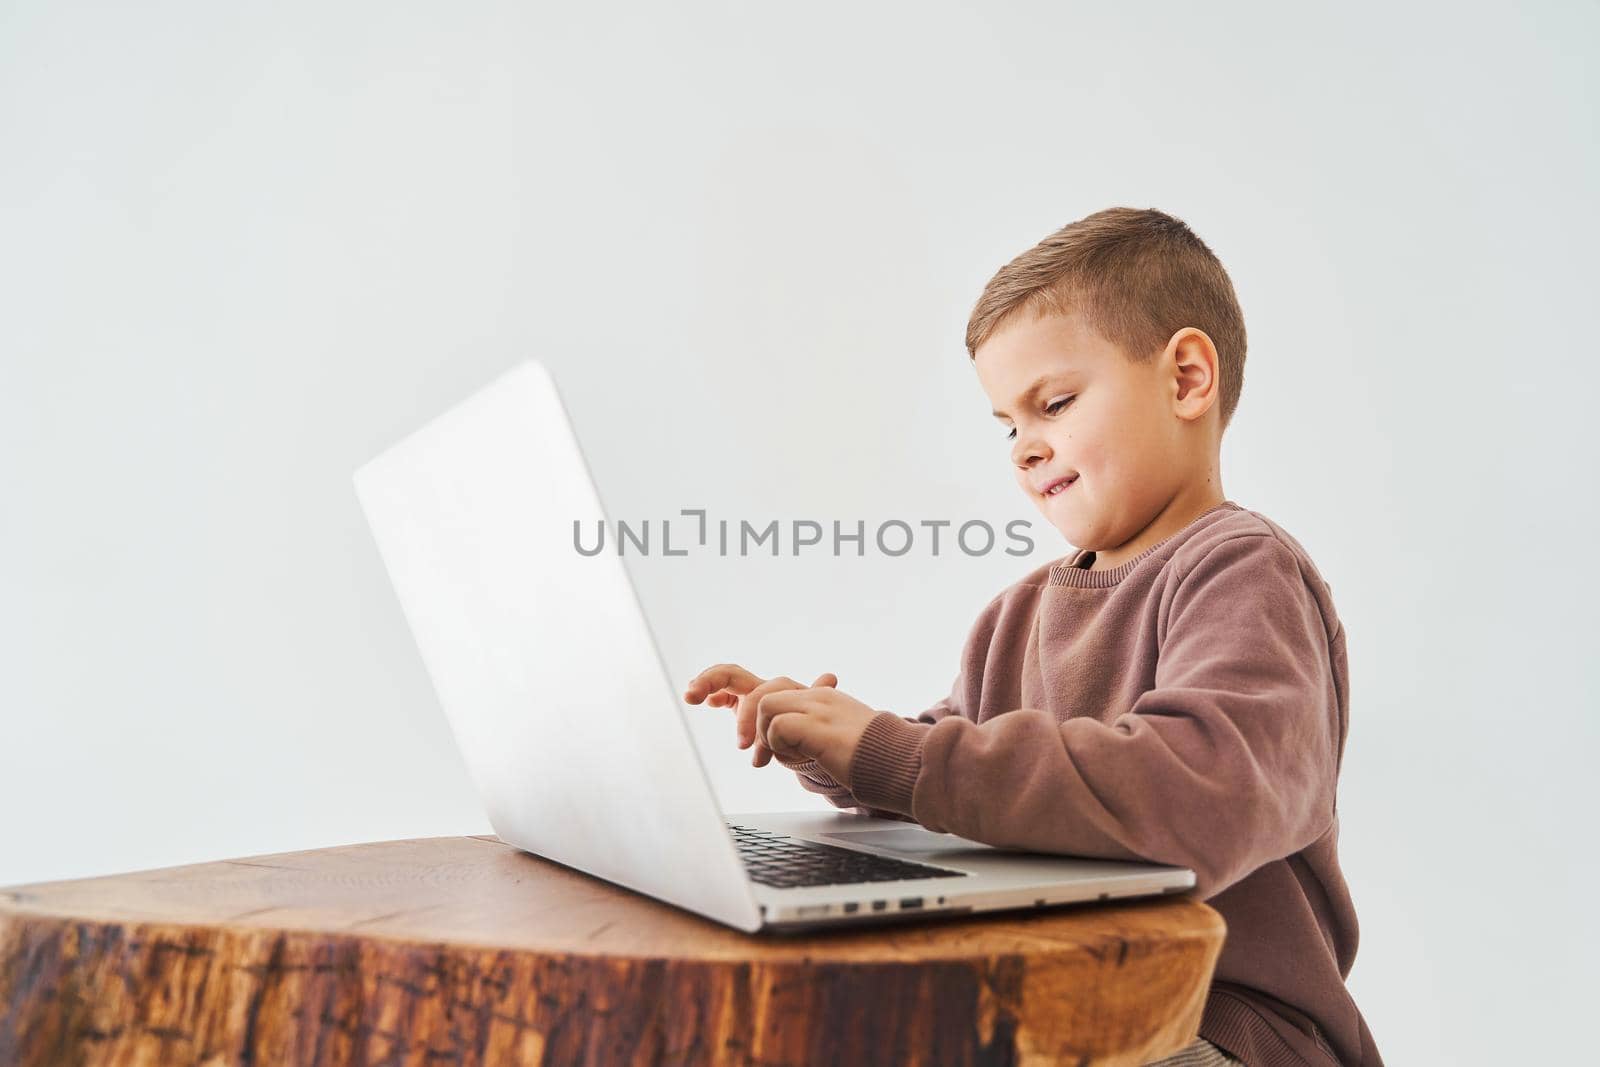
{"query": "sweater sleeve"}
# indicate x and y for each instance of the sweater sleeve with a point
(1228, 762)
(815, 778)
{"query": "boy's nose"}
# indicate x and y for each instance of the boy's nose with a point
(1029, 450)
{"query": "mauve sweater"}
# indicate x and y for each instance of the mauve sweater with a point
(1187, 707)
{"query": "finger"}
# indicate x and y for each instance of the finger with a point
(723, 675)
(788, 733)
(749, 701)
(748, 736)
(764, 753)
(761, 754)
(770, 705)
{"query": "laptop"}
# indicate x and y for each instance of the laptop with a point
(574, 734)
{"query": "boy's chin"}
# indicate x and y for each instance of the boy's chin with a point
(1065, 529)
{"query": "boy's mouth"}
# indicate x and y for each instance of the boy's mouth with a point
(1056, 486)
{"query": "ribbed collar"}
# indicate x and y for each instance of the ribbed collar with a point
(1071, 571)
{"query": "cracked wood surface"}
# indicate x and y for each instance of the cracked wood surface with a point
(463, 950)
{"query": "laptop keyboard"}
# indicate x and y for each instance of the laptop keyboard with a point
(778, 860)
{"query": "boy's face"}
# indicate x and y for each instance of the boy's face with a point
(1078, 408)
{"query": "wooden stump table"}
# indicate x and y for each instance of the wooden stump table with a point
(463, 950)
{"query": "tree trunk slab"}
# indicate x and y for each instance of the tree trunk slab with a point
(466, 951)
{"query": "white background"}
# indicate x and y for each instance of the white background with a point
(241, 251)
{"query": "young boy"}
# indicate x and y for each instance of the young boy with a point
(1175, 690)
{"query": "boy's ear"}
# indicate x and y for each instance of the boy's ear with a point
(1196, 377)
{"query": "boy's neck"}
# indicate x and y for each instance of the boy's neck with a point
(1179, 512)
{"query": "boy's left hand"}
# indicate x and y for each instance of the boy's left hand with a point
(821, 723)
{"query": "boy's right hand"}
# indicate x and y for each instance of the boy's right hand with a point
(728, 684)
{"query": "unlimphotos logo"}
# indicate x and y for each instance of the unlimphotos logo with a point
(892, 537)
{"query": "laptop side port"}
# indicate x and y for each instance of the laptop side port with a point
(850, 906)
(910, 902)
(807, 911)
(879, 905)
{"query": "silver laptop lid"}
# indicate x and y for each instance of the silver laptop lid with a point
(541, 656)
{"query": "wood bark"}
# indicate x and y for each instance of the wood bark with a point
(467, 951)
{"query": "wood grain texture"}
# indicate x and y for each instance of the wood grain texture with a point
(463, 950)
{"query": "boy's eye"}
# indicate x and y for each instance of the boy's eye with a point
(1050, 408)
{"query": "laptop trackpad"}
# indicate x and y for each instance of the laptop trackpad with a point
(909, 839)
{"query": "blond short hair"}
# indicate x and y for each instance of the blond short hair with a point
(1137, 276)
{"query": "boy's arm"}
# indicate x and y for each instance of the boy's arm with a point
(974, 653)
(1229, 762)
(815, 778)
